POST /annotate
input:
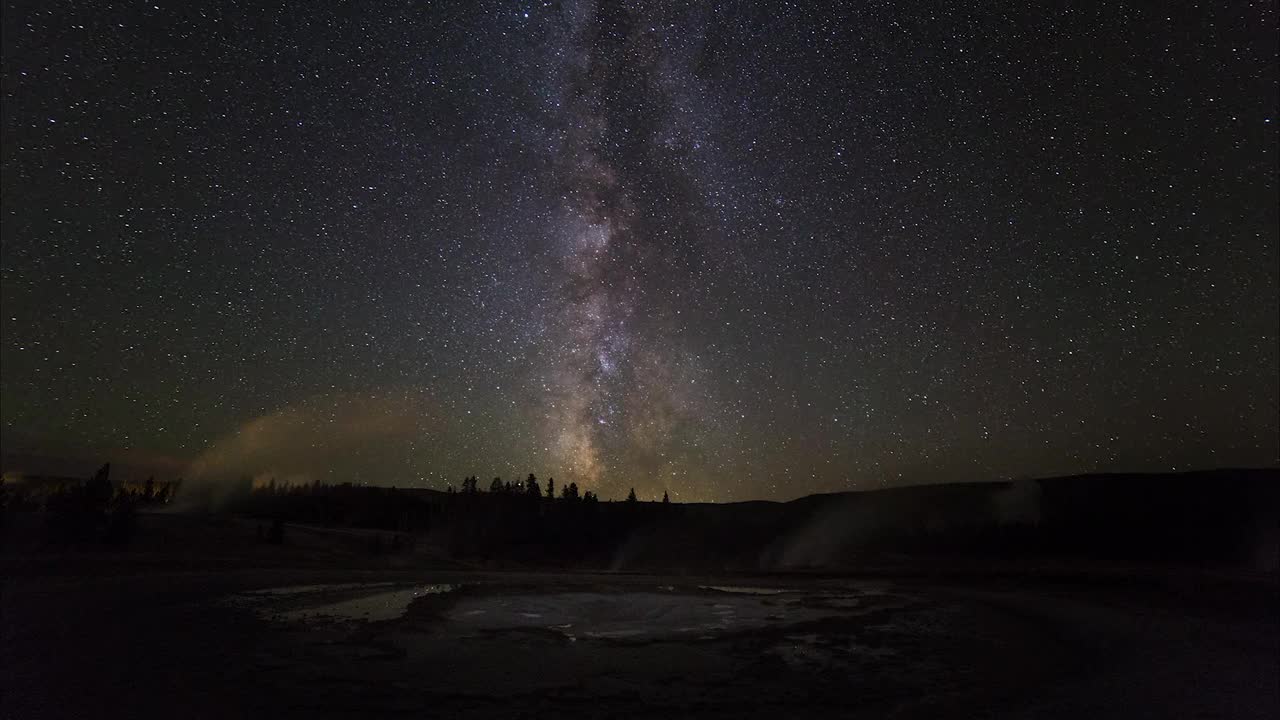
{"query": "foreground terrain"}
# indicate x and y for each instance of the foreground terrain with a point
(123, 637)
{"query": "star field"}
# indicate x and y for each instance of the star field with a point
(749, 250)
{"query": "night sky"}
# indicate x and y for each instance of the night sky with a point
(752, 251)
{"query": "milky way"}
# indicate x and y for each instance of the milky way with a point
(727, 251)
(618, 77)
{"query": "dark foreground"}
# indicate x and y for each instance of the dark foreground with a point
(316, 644)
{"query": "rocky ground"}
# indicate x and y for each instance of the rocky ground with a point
(448, 643)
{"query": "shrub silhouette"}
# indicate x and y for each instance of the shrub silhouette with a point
(77, 514)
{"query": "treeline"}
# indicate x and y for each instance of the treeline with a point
(84, 513)
(340, 505)
(405, 510)
(149, 492)
(525, 522)
(531, 488)
(536, 523)
(1220, 517)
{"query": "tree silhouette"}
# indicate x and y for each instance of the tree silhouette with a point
(665, 499)
(496, 485)
(531, 486)
(631, 496)
(98, 490)
(551, 488)
(76, 514)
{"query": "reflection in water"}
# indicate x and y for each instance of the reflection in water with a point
(315, 602)
(602, 615)
(623, 616)
(369, 608)
(313, 589)
(743, 590)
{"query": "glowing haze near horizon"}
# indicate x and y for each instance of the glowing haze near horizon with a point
(755, 250)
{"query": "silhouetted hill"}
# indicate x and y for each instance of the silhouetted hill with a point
(1219, 518)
